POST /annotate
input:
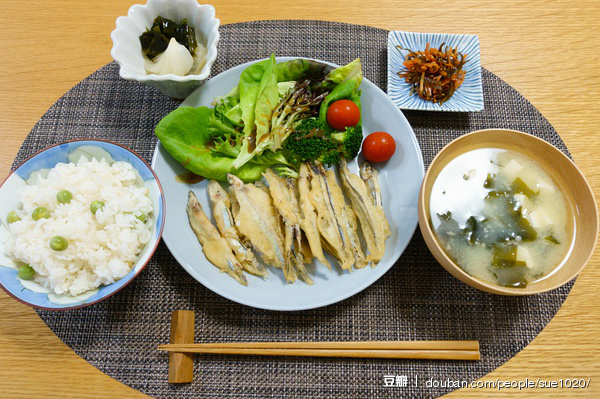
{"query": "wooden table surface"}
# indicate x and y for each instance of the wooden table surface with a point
(547, 50)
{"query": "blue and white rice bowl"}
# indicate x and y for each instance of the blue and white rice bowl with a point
(34, 294)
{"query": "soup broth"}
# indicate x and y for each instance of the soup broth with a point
(501, 217)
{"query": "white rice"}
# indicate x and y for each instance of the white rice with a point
(103, 247)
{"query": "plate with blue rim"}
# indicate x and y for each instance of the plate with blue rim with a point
(35, 295)
(467, 98)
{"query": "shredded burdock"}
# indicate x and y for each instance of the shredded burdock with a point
(435, 73)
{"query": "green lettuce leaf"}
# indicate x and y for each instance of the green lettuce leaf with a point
(267, 97)
(351, 71)
(284, 87)
(300, 69)
(236, 136)
(249, 87)
(235, 93)
(203, 144)
(228, 108)
(355, 98)
(227, 145)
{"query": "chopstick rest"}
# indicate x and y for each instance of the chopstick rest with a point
(181, 364)
(182, 348)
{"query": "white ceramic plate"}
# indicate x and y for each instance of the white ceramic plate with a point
(400, 180)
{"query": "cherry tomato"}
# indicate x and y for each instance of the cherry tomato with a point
(343, 113)
(378, 147)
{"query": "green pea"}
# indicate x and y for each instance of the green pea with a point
(58, 243)
(141, 217)
(40, 213)
(12, 217)
(25, 272)
(95, 206)
(64, 196)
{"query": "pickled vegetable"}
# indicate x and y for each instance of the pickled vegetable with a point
(434, 73)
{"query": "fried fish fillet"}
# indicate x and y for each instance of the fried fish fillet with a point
(214, 246)
(221, 206)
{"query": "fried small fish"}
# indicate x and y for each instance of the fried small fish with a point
(308, 220)
(283, 193)
(221, 206)
(258, 221)
(214, 246)
(371, 178)
(372, 225)
(335, 223)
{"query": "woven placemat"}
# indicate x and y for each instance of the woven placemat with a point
(416, 299)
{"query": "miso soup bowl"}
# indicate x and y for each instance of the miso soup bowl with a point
(566, 175)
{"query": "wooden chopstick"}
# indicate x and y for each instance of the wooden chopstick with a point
(445, 350)
(358, 345)
(385, 354)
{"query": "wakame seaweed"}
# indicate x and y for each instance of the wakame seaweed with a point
(156, 38)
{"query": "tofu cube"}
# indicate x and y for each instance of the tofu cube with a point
(524, 255)
(539, 218)
(512, 170)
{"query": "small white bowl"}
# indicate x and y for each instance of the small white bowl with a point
(127, 50)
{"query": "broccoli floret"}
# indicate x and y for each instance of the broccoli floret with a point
(330, 158)
(307, 125)
(345, 144)
(312, 140)
(309, 140)
(309, 149)
(350, 140)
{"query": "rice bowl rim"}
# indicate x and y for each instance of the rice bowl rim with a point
(151, 255)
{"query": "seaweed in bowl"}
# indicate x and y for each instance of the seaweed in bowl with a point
(127, 51)
(528, 221)
(501, 217)
(172, 47)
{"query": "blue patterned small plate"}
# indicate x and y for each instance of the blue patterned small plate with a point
(33, 294)
(467, 98)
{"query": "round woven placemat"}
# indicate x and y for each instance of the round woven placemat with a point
(416, 299)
